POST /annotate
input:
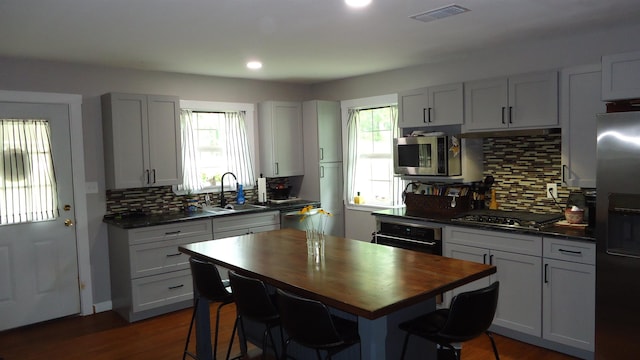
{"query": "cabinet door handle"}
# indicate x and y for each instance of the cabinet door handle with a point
(503, 108)
(172, 232)
(510, 114)
(173, 255)
(572, 252)
(321, 153)
(277, 169)
(546, 268)
(175, 287)
(484, 258)
(490, 259)
(424, 115)
(148, 176)
(322, 171)
(154, 176)
(564, 178)
(429, 110)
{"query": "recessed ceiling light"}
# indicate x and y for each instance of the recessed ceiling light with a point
(254, 65)
(357, 3)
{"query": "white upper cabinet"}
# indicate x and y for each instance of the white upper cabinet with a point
(517, 102)
(323, 175)
(431, 106)
(142, 143)
(621, 76)
(329, 129)
(579, 103)
(281, 148)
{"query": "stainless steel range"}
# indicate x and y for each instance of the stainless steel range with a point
(508, 219)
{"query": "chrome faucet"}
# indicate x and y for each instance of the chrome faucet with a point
(223, 201)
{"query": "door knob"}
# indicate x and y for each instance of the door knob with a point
(68, 222)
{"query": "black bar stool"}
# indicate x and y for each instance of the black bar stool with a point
(469, 315)
(255, 303)
(309, 323)
(209, 287)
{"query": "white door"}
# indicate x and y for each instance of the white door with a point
(38, 261)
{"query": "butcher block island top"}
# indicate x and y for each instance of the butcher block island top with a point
(380, 286)
(361, 278)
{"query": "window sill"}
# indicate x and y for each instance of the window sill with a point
(368, 207)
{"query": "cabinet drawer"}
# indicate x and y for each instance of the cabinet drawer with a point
(567, 250)
(236, 222)
(159, 257)
(172, 231)
(504, 241)
(159, 290)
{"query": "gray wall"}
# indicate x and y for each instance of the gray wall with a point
(563, 50)
(92, 81)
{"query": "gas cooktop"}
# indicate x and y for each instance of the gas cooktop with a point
(508, 219)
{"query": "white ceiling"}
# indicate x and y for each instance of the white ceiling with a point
(304, 41)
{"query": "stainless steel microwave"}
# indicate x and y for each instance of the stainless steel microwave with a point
(427, 155)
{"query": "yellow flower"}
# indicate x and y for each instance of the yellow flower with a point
(308, 211)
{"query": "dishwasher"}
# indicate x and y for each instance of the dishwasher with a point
(290, 211)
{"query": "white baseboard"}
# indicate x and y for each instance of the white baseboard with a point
(101, 307)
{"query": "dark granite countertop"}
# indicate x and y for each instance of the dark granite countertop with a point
(558, 231)
(138, 220)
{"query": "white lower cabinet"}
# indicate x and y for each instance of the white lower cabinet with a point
(149, 276)
(236, 225)
(569, 293)
(226, 226)
(547, 285)
(519, 303)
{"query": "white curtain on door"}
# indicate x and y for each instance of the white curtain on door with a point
(27, 178)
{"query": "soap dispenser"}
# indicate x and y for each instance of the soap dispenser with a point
(240, 195)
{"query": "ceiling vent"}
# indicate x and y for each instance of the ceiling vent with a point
(440, 13)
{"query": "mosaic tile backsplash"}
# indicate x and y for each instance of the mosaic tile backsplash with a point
(522, 166)
(157, 200)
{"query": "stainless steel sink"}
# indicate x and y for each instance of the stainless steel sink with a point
(237, 207)
(231, 208)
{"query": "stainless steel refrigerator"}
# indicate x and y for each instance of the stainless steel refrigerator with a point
(618, 236)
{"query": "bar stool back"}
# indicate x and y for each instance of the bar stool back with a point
(208, 287)
(470, 314)
(309, 323)
(253, 302)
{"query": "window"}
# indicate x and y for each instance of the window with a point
(27, 179)
(215, 142)
(370, 134)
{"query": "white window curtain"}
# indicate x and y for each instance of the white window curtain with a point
(28, 189)
(239, 159)
(190, 180)
(355, 153)
(236, 156)
(352, 149)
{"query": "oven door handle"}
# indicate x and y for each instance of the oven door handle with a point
(430, 243)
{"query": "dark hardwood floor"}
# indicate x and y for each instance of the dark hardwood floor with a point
(107, 336)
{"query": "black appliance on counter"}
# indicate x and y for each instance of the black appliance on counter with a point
(508, 219)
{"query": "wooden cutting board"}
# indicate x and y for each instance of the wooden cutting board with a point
(566, 223)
